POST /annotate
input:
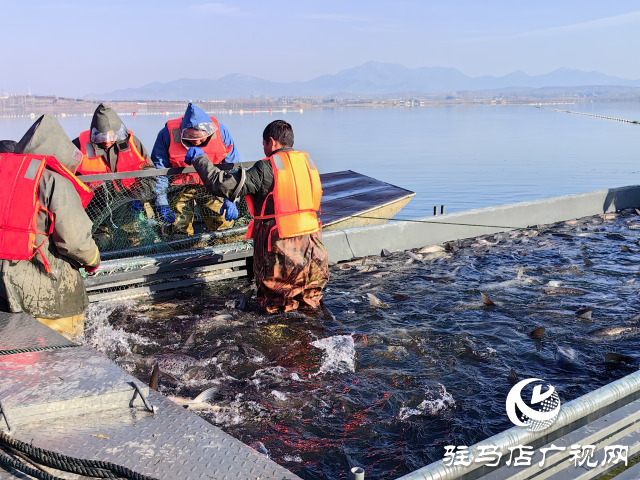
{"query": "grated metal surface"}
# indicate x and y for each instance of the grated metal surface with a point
(173, 444)
(20, 331)
(76, 402)
(51, 384)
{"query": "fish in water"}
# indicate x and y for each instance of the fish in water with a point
(585, 313)
(614, 236)
(201, 402)
(624, 248)
(385, 253)
(565, 291)
(486, 300)
(437, 279)
(513, 377)
(614, 331)
(588, 262)
(375, 302)
(537, 333)
(413, 256)
(191, 341)
(401, 298)
(568, 354)
(450, 247)
(155, 377)
(431, 249)
(635, 318)
(617, 358)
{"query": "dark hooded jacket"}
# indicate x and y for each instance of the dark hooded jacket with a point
(24, 284)
(106, 119)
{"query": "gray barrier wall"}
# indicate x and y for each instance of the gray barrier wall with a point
(395, 235)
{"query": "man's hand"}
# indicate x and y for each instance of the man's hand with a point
(192, 153)
(90, 270)
(230, 210)
(166, 214)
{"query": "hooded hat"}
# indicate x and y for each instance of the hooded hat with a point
(193, 117)
(106, 125)
(7, 146)
(46, 137)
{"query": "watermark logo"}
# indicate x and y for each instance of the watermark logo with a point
(542, 411)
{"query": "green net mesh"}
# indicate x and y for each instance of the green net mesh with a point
(126, 221)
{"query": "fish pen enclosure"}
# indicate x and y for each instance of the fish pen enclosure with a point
(408, 356)
(144, 253)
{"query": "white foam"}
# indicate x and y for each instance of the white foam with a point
(339, 354)
(429, 407)
(103, 337)
(279, 395)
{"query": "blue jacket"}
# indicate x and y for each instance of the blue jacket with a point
(160, 154)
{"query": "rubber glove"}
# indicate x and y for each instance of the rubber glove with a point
(136, 206)
(192, 153)
(230, 209)
(166, 214)
(90, 270)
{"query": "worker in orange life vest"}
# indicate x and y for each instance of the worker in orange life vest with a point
(45, 234)
(194, 128)
(283, 193)
(108, 146)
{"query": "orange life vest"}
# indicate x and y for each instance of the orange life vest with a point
(215, 149)
(20, 176)
(297, 192)
(129, 161)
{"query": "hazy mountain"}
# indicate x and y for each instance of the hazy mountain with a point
(371, 78)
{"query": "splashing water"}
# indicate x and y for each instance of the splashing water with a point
(339, 354)
(103, 337)
(429, 407)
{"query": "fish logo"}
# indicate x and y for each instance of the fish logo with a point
(544, 409)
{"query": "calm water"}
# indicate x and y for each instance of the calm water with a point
(464, 157)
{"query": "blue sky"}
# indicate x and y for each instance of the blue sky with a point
(73, 49)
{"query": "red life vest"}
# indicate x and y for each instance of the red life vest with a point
(215, 149)
(20, 176)
(128, 161)
(297, 192)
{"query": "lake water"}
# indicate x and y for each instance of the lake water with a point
(464, 157)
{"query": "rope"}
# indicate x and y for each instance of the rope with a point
(34, 349)
(467, 224)
(88, 468)
(589, 115)
(12, 464)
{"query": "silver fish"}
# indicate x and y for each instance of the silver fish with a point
(201, 402)
(375, 302)
(614, 331)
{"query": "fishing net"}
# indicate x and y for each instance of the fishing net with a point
(128, 221)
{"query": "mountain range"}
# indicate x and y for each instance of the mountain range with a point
(371, 78)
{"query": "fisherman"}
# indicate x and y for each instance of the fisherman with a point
(45, 234)
(108, 146)
(283, 193)
(195, 128)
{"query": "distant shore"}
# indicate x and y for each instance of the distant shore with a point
(16, 106)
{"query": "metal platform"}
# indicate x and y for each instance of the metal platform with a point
(74, 401)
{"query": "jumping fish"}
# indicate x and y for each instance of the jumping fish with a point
(487, 301)
(565, 291)
(201, 402)
(375, 302)
(585, 313)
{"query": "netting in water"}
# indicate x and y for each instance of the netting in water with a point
(128, 219)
